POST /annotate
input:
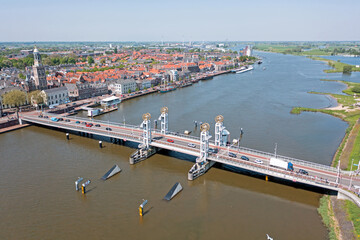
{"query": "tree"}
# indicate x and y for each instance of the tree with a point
(22, 76)
(14, 98)
(137, 89)
(90, 60)
(115, 50)
(102, 61)
(35, 97)
(129, 91)
(356, 89)
(347, 69)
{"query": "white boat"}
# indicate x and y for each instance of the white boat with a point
(245, 69)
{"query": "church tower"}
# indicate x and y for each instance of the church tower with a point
(39, 71)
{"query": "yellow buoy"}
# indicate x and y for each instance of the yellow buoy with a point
(266, 178)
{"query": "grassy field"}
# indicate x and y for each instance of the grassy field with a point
(293, 49)
(327, 216)
(353, 212)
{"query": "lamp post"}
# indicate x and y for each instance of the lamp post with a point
(338, 174)
(240, 137)
(352, 162)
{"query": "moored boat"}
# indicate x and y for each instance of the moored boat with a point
(245, 69)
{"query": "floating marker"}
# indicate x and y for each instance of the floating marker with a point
(114, 170)
(67, 136)
(77, 182)
(173, 191)
(84, 185)
(141, 207)
(100, 144)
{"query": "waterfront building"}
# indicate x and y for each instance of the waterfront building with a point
(123, 86)
(99, 89)
(77, 91)
(174, 76)
(110, 101)
(55, 96)
(143, 84)
(39, 71)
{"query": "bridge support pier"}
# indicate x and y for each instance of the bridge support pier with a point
(141, 154)
(199, 168)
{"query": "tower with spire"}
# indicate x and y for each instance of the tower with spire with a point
(39, 71)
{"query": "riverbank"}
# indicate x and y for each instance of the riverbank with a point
(337, 66)
(341, 217)
(347, 111)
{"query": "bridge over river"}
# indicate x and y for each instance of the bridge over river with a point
(346, 183)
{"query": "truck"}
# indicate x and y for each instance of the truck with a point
(275, 162)
(54, 119)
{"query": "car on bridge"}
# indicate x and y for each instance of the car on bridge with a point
(40, 116)
(67, 120)
(78, 122)
(258, 161)
(232, 155)
(89, 125)
(245, 158)
(46, 117)
(61, 119)
(302, 171)
(213, 150)
(108, 129)
(170, 140)
(192, 145)
(97, 125)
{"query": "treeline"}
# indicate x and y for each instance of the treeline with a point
(49, 60)
(54, 60)
(350, 51)
(20, 63)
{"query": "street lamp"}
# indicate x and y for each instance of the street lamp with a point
(351, 172)
(240, 137)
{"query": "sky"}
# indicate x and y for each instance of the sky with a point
(182, 20)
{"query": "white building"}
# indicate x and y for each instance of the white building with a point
(123, 86)
(248, 51)
(110, 101)
(55, 96)
(174, 76)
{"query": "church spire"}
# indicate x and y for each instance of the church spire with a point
(37, 57)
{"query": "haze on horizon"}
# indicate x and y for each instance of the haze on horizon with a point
(160, 20)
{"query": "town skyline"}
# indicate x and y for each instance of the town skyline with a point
(140, 21)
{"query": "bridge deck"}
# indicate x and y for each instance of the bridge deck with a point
(319, 175)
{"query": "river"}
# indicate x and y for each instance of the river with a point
(39, 166)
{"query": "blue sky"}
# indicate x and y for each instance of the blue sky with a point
(196, 20)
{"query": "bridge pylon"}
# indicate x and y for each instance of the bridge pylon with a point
(202, 164)
(164, 120)
(221, 134)
(146, 126)
(144, 150)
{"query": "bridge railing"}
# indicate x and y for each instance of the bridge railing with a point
(273, 171)
(194, 138)
(289, 159)
(81, 128)
(99, 121)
